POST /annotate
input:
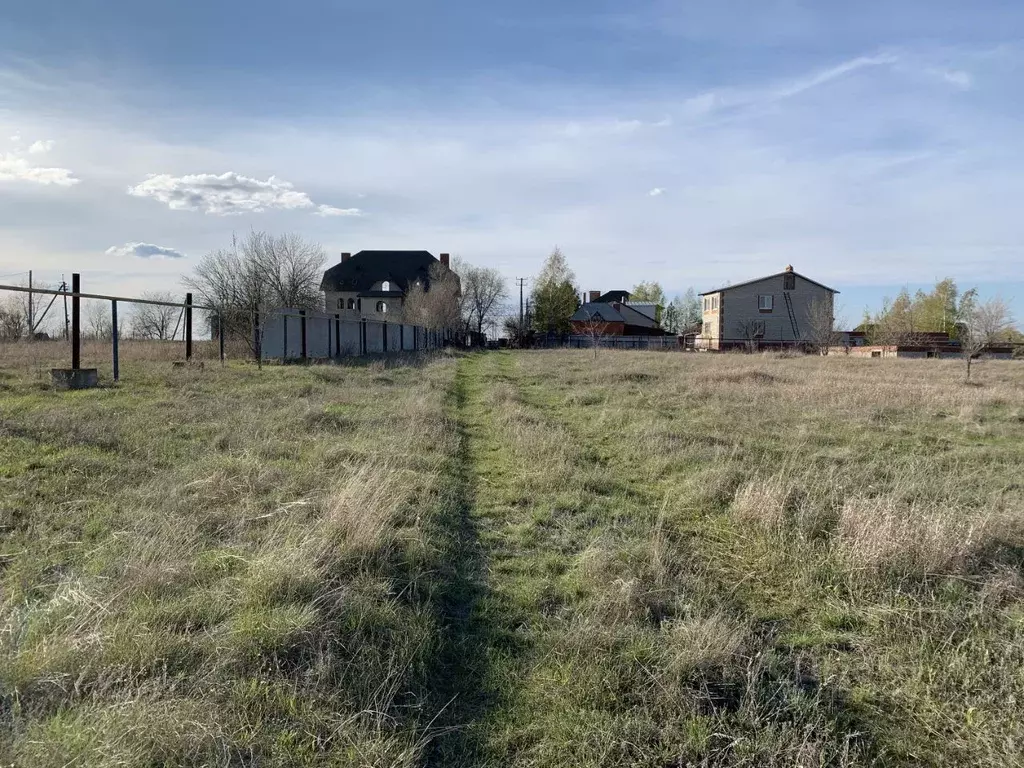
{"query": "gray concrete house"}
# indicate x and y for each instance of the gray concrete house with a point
(785, 309)
(376, 284)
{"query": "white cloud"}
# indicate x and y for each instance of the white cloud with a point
(14, 167)
(330, 210)
(38, 147)
(145, 251)
(224, 195)
(15, 138)
(815, 79)
(229, 194)
(656, 192)
(959, 78)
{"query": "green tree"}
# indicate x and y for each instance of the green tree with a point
(648, 293)
(691, 310)
(671, 320)
(905, 318)
(555, 295)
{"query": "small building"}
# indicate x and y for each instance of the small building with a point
(784, 309)
(375, 285)
(612, 314)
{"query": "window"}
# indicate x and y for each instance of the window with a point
(382, 307)
(714, 303)
(341, 303)
(351, 303)
(385, 286)
(759, 329)
(789, 282)
(766, 303)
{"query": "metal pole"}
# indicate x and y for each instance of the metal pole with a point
(76, 328)
(67, 322)
(113, 337)
(337, 335)
(220, 334)
(284, 338)
(302, 327)
(31, 309)
(188, 326)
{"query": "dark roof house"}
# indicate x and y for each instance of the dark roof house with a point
(366, 270)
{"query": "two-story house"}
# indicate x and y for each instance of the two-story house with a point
(376, 285)
(785, 309)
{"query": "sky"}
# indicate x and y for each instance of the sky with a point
(871, 145)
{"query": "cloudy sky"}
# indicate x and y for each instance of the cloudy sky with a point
(869, 144)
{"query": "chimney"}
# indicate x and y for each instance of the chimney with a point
(789, 267)
(594, 296)
(445, 259)
(345, 257)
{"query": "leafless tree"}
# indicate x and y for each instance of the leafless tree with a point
(594, 328)
(981, 324)
(437, 304)
(13, 320)
(256, 276)
(98, 320)
(483, 289)
(751, 331)
(821, 325)
(154, 321)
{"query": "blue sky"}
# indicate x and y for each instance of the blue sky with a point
(869, 144)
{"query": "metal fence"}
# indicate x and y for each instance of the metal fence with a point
(284, 334)
(296, 334)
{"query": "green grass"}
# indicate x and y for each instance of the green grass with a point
(532, 559)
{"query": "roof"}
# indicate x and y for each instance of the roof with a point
(366, 269)
(612, 313)
(767, 277)
(611, 296)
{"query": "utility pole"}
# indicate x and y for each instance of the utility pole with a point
(521, 281)
(67, 319)
(31, 315)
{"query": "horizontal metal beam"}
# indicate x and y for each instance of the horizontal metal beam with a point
(50, 292)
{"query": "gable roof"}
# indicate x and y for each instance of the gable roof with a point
(767, 277)
(366, 269)
(611, 296)
(612, 313)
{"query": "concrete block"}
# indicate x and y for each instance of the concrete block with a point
(74, 378)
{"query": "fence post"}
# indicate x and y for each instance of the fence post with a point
(362, 336)
(284, 338)
(76, 330)
(337, 335)
(385, 336)
(220, 335)
(302, 329)
(113, 337)
(188, 326)
(401, 337)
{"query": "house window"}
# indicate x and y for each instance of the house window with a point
(341, 303)
(766, 303)
(351, 303)
(789, 282)
(714, 303)
(382, 307)
(385, 286)
(759, 329)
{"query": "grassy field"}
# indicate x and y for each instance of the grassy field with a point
(526, 559)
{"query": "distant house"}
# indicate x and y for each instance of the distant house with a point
(784, 309)
(376, 284)
(917, 345)
(615, 315)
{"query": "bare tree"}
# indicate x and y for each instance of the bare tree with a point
(751, 331)
(437, 304)
(821, 325)
(594, 327)
(153, 321)
(256, 276)
(483, 289)
(13, 320)
(981, 324)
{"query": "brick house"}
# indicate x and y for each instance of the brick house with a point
(616, 316)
